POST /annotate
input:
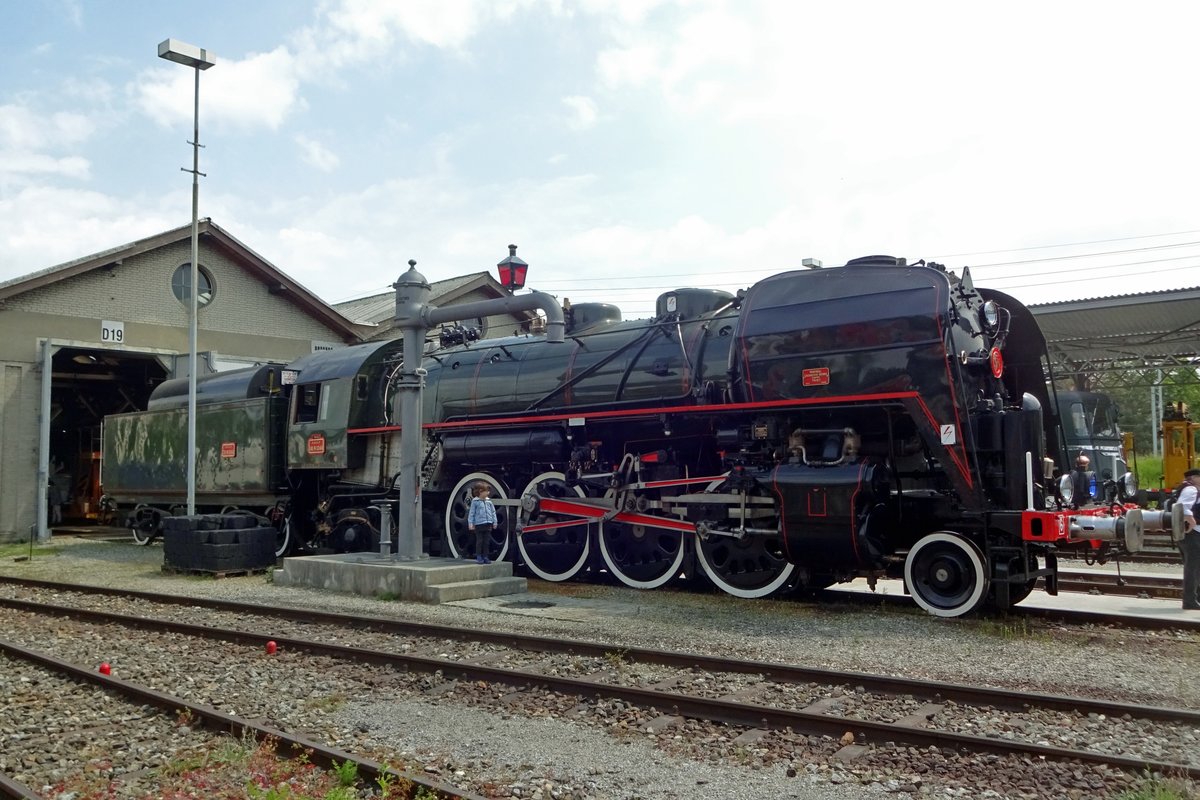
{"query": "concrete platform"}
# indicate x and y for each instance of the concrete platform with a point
(1136, 607)
(432, 580)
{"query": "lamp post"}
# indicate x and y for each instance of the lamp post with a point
(414, 316)
(197, 58)
(512, 270)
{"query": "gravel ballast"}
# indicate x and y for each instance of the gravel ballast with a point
(548, 757)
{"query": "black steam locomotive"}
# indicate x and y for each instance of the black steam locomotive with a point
(881, 419)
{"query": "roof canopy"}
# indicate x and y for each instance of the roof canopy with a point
(1156, 330)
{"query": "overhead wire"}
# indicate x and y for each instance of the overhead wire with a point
(567, 286)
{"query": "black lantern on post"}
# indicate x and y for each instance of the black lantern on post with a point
(512, 270)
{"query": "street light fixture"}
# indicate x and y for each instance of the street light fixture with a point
(197, 58)
(512, 270)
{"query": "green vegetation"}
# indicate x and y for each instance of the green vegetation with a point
(234, 769)
(347, 772)
(1013, 628)
(1149, 470)
(618, 660)
(327, 704)
(19, 549)
(1154, 788)
(1180, 385)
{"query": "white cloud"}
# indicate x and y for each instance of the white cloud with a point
(316, 154)
(23, 129)
(14, 163)
(41, 227)
(257, 91)
(583, 112)
(351, 32)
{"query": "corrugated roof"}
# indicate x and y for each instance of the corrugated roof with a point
(1128, 331)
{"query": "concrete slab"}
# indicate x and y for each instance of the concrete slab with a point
(1147, 608)
(432, 580)
(546, 606)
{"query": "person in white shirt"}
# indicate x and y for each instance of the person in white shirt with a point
(1188, 498)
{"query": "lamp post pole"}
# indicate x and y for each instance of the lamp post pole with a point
(197, 58)
(414, 316)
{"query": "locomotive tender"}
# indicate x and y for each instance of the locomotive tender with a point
(881, 419)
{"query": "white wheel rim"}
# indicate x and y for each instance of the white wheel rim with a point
(287, 537)
(736, 591)
(462, 486)
(139, 536)
(720, 583)
(587, 544)
(976, 558)
(636, 584)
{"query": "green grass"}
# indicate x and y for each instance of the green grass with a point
(1160, 789)
(17, 549)
(1149, 470)
(1012, 628)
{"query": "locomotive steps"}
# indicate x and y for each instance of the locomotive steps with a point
(432, 580)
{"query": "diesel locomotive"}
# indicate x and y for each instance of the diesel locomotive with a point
(880, 419)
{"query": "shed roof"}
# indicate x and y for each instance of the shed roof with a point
(378, 308)
(276, 280)
(1129, 331)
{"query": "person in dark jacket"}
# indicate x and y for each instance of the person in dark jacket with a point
(1082, 481)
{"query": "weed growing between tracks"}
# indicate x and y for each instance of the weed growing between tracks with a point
(1014, 628)
(1154, 788)
(233, 769)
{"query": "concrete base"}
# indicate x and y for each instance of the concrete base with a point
(431, 580)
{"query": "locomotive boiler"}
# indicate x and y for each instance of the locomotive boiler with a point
(881, 419)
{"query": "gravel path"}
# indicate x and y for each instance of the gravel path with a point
(556, 757)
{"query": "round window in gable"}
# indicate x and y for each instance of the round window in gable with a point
(181, 282)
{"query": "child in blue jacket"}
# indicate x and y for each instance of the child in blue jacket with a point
(481, 519)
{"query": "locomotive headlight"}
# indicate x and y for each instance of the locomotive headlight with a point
(990, 316)
(1128, 486)
(1066, 489)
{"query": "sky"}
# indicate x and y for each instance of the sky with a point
(628, 147)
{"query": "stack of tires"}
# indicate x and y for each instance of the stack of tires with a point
(218, 543)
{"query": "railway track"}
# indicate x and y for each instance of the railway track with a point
(855, 709)
(1105, 583)
(101, 703)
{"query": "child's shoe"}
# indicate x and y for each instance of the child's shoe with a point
(487, 560)
(480, 560)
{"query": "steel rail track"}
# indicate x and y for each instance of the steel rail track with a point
(739, 713)
(16, 790)
(211, 718)
(887, 684)
(1072, 616)
(1164, 586)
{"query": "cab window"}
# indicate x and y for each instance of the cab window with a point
(310, 403)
